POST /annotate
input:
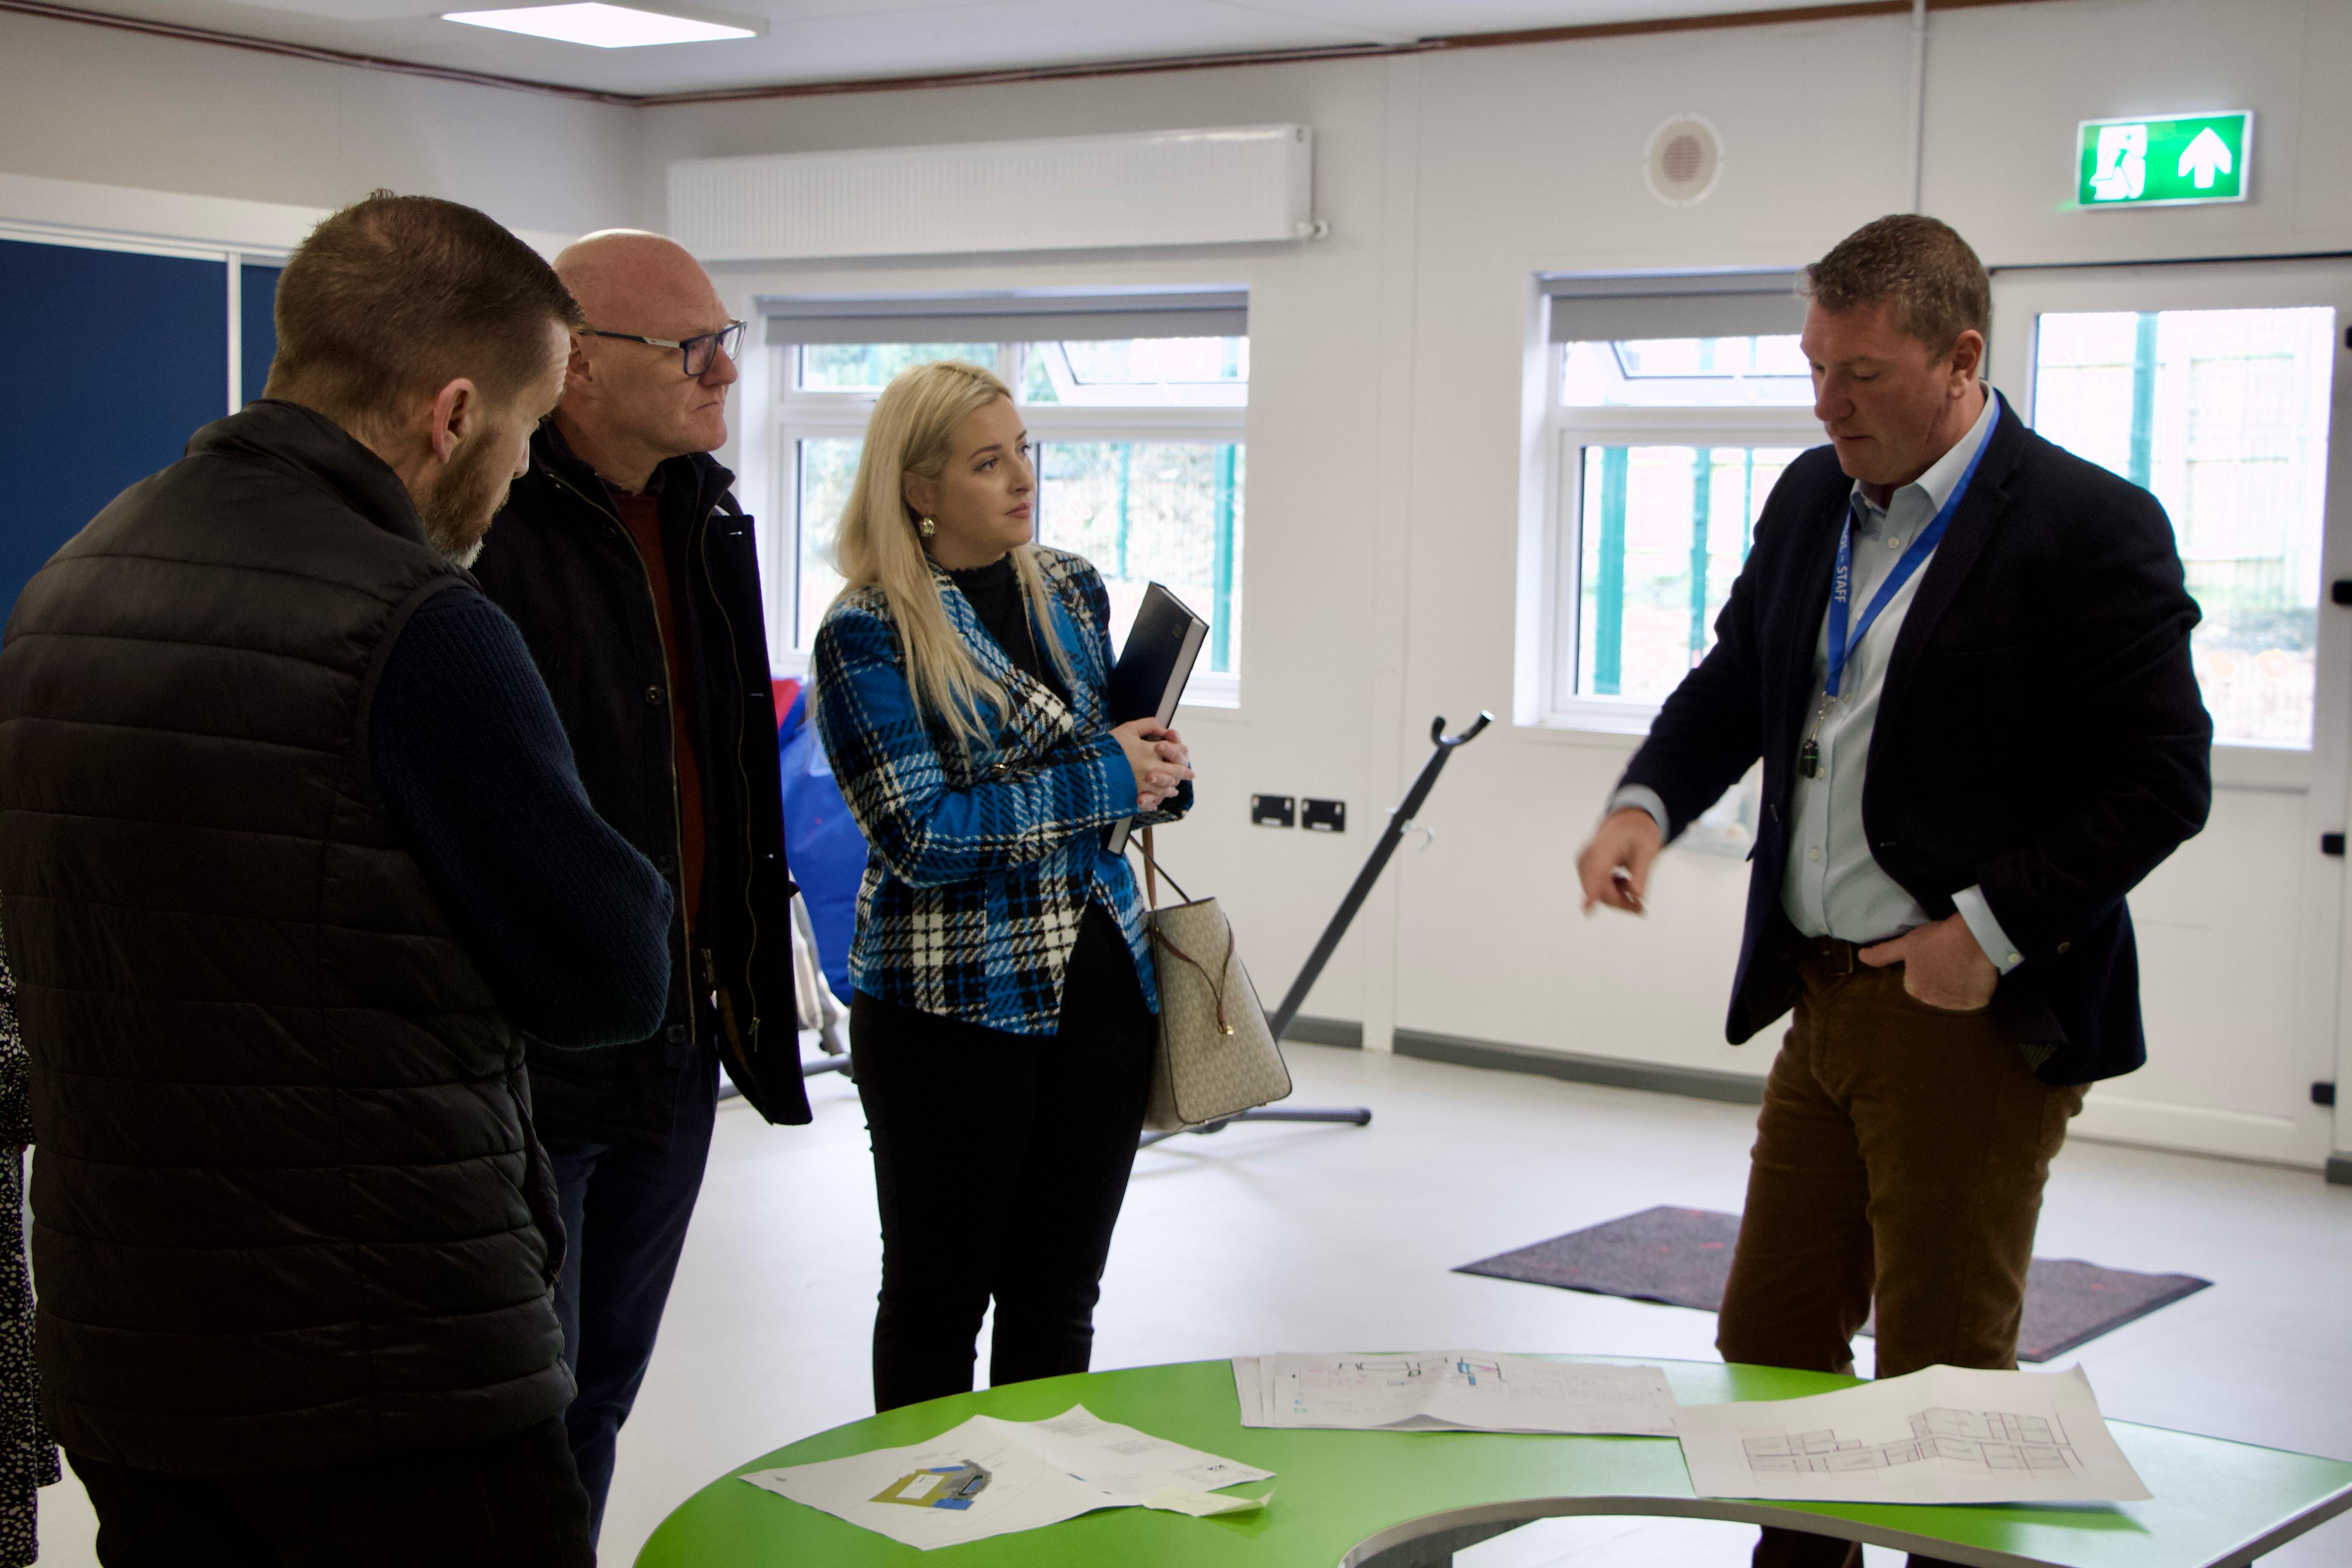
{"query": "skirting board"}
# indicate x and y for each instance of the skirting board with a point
(1326, 1032)
(1700, 1083)
(2106, 1117)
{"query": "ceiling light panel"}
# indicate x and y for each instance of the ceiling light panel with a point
(605, 27)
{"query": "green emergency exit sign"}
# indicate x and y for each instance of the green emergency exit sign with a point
(2165, 161)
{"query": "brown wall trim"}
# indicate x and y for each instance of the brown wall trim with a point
(1445, 43)
(1702, 24)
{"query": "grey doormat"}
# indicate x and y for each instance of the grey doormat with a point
(1682, 1257)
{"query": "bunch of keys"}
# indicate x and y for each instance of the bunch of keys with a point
(1809, 756)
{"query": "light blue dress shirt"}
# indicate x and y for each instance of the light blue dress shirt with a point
(1834, 885)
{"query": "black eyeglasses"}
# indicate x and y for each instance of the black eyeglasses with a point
(695, 352)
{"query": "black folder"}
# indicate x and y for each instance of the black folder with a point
(1149, 680)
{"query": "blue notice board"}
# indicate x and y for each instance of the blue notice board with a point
(111, 360)
(258, 294)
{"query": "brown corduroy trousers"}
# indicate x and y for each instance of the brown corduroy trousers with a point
(1900, 1155)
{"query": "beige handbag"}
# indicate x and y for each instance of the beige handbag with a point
(1217, 1059)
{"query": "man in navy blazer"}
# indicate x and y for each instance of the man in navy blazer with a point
(1963, 657)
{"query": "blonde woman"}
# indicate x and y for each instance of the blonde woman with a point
(1003, 1011)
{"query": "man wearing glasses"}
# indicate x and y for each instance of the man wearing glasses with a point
(625, 562)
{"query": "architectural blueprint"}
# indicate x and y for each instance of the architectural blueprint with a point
(1944, 1434)
(1452, 1391)
(991, 1478)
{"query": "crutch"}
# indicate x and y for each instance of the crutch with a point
(820, 1009)
(1401, 822)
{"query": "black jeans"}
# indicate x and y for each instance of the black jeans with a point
(625, 1209)
(504, 1503)
(999, 1163)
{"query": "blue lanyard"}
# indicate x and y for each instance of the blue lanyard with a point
(1923, 546)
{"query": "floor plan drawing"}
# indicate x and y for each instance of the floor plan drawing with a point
(1475, 1391)
(1941, 1435)
(1996, 1439)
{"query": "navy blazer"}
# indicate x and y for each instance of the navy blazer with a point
(2041, 732)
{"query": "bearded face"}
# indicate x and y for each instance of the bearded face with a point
(458, 502)
(457, 511)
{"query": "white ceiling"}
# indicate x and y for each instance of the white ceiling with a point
(833, 41)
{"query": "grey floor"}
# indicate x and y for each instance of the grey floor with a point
(1303, 1237)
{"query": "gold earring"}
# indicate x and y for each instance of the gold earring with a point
(927, 528)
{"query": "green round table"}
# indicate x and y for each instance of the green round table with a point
(1342, 1499)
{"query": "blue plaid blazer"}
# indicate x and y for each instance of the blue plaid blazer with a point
(984, 858)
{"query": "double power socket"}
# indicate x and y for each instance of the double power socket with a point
(1314, 816)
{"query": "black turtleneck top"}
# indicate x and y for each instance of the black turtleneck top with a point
(995, 594)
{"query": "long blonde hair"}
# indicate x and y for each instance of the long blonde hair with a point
(879, 548)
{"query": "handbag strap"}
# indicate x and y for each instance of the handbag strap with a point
(1151, 875)
(1216, 982)
(1160, 939)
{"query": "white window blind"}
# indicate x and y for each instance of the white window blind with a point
(1698, 305)
(1029, 317)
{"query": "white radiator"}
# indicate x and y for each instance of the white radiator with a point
(1220, 187)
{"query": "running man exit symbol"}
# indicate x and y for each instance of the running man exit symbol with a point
(2122, 173)
(2168, 161)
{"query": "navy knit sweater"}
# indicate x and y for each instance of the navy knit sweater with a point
(557, 909)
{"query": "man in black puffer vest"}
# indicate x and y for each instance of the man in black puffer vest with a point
(623, 558)
(292, 855)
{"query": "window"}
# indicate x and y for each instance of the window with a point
(1686, 373)
(1668, 428)
(1142, 458)
(2223, 415)
(1664, 531)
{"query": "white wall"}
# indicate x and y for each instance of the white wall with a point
(109, 108)
(1815, 118)
(1320, 488)
(1530, 161)
(1389, 443)
(1390, 450)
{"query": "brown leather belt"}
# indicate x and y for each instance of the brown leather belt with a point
(1834, 955)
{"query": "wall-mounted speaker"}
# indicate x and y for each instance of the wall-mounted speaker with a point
(1685, 160)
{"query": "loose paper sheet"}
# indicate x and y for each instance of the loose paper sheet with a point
(1452, 1391)
(1944, 1434)
(1202, 1505)
(991, 1478)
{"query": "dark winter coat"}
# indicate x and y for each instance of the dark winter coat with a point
(289, 1210)
(2040, 736)
(560, 563)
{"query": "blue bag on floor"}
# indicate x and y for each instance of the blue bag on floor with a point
(822, 843)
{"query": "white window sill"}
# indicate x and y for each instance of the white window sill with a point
(2278, 769)
(1218, 692)
(1598, 715)
(1208, 690)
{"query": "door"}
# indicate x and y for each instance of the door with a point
(2215, 387)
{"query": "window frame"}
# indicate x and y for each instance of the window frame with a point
(793, 415)
(1557, 632)
(2022, 295)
